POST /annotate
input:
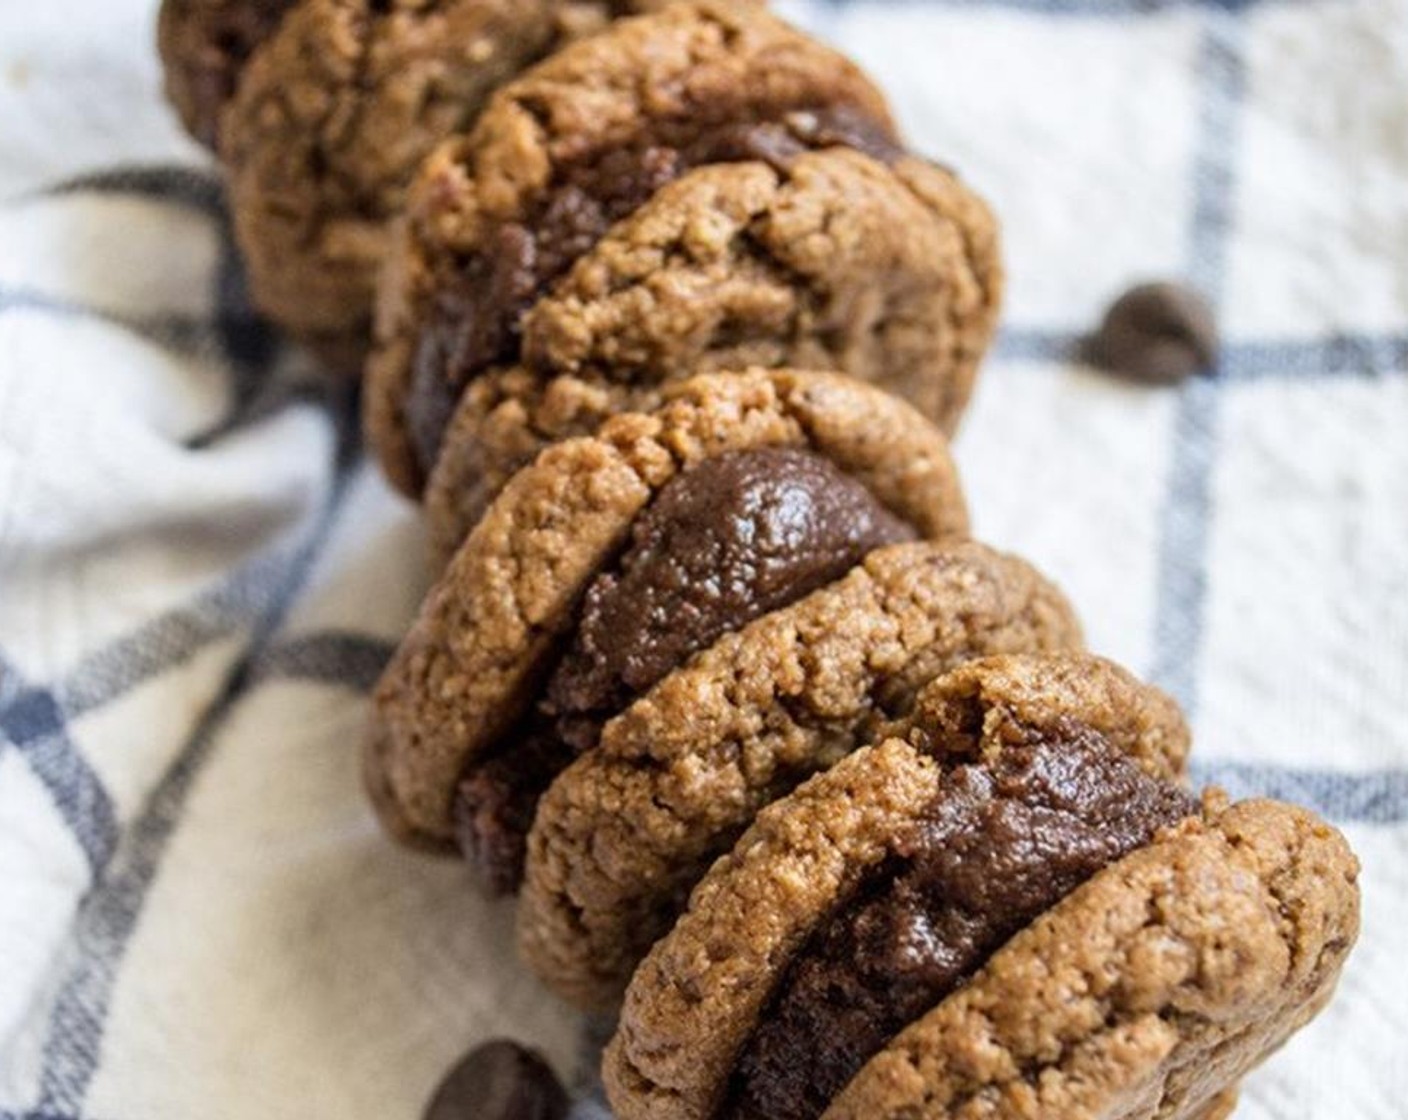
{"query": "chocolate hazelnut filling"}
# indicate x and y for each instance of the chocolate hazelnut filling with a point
(475, 319)
(726, 541)
(1007, 838)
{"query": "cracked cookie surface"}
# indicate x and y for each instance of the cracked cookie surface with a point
(1147, 992)
(729, 539)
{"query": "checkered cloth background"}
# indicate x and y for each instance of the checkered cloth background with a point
(200, 575)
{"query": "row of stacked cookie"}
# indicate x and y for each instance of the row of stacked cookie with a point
(700, 188)
(725, 689)
(648, 634)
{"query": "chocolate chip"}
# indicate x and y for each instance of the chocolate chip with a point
(499, 1081)
(1159, 332)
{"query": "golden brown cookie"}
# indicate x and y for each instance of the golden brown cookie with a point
(561, 155)
(627, 830)
(498, 618)
(204, 45)
(1164, 953)
(833, 260)
(332, 117)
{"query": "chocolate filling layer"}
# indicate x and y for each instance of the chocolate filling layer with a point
(475, 319)
(725, 542)
(1005, 841)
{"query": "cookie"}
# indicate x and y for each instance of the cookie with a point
(330, 121)
(541, 564)
(204, 45)
(1028, 924)
(829, 260)
(1148, 991)
(558, 157)
(627, 829)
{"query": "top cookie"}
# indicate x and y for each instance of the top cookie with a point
(559, 156)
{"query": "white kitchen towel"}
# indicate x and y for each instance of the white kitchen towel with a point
(200, 575)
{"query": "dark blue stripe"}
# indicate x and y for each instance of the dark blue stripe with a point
(174, 331)
(269, 398)
(250, 345)
(1222, 79)
(1356, 356)
(33, 721)
(41, 1115)
(186, 186)
(353, 661)
(1184, 528)
(175, 637)
(1335, 356)
(108, 915)
(1372, 797)
(1018, 344)
(1187, 515)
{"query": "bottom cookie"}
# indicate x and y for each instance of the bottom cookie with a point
(1050, 928)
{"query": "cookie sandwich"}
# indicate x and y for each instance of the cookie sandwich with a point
(827, 259)
(628, 828)
(497, 219)
(612, 559)
(1010, 907)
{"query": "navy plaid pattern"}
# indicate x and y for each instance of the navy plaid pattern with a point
(255, 599)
